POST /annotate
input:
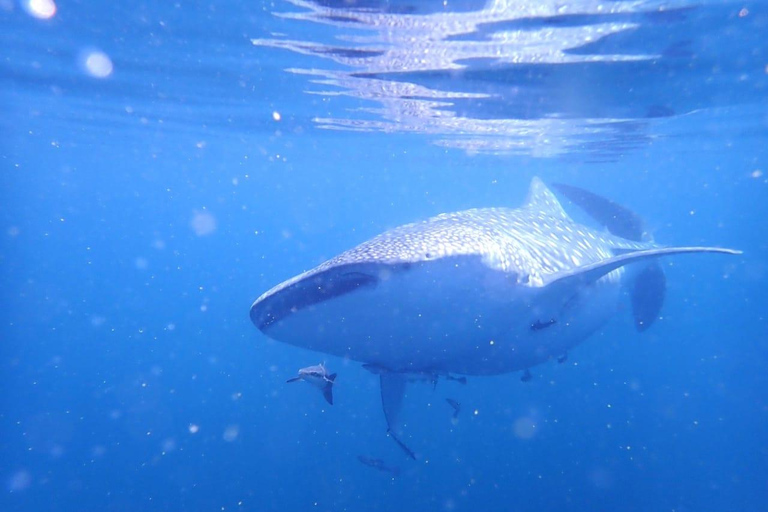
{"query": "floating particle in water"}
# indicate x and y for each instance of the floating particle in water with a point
(19, 481)
(203, 223)
(601, 478)
(97, 321)
(40, 9)
(231, 433)
(141, 263)
(168, 445)
(194, 429)
(96, 63)
(13, 231)
(757, 173)
(276, 115)
(524, 428)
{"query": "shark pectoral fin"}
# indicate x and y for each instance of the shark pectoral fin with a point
(295, 379)
(402, 445)
(392, 393)
(588, 274)
(332, 377)
(647, 295)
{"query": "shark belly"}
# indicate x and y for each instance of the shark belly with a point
(417, 319)
(452, 315)
(565, 324)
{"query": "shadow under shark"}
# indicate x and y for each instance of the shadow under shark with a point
(479, 292)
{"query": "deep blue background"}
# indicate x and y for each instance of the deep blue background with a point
(121, 328)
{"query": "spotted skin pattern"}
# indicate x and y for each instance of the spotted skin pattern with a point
(534, 241)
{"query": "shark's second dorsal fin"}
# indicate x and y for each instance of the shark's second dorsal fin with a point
(541, 199)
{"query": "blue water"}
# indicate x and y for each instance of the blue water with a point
(164, 164)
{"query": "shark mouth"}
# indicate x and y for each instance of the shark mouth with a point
(307, 292)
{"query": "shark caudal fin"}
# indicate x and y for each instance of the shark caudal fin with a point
(619, 220)
(650, 285)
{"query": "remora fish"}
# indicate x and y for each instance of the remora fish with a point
(318, 376)
(478, 292)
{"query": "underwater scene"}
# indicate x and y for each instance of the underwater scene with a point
(413, 255)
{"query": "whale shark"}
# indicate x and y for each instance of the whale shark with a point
(479, 292)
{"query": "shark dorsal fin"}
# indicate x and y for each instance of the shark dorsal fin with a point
(541, 199)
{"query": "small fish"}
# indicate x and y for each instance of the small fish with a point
(379, 464)
(318, 376)
(401, 444)
(456, 406)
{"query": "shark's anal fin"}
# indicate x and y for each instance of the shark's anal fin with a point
(647, 296)
(588, 274)
(392, 393)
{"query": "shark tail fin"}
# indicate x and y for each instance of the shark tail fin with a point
(328, 389)
(650, 285)
(619, 220)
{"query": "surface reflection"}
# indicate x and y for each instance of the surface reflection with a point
(542, 78)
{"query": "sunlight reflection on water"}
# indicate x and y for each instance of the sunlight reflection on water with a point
(500, 76)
